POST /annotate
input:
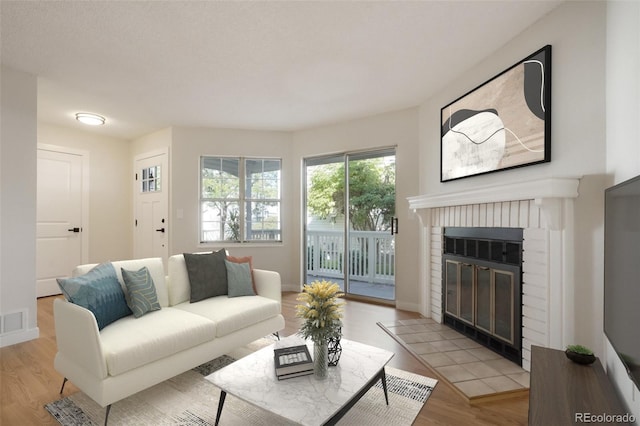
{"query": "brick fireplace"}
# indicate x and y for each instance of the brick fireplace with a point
(543, 209)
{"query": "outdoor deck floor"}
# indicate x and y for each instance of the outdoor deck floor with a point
(360, 288)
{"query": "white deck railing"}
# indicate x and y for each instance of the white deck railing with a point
(371, 258)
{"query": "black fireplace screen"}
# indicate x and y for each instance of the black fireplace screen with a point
(482, 286)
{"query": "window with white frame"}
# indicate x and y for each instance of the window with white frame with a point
(240, 199)
(150, 181)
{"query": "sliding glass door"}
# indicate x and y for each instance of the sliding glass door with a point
(350, 222)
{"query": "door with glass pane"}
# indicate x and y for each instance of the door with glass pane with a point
(350, 222)
(151, 206)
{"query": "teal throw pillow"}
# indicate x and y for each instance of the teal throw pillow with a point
(239, 279)
(98, 291)
(142, 291)
(207, 274)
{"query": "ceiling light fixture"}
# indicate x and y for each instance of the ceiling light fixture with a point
(90, 119)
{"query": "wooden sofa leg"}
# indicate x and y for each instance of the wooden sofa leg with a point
(277, 334)
(64, 382)
(106, 416)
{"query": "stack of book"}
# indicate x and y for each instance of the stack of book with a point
(292, 361)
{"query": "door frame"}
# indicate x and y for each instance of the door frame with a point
(86, 181)
(346, 230)
(165, 192)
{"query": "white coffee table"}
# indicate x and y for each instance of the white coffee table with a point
(304, 400)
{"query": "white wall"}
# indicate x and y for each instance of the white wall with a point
(396, 128)
(623, 90)
(576, 31)
(623, 136)
(18, 201)
(110, 198)
(151, 142)
(187, 145)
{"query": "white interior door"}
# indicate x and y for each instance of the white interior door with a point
(151, 206)
(59, 234)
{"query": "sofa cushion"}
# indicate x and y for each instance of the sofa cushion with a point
(207, 274)
(249, 260)
(178, 278)
(141, 292)
(132, 342)
(239, 279)
(98, 291)
(156, 269)
(232, 314)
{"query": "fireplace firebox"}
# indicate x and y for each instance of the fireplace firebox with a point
(482, 286)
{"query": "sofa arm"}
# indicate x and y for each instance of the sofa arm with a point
(268, 284)
(78, 337)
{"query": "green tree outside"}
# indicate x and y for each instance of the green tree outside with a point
(371, 193)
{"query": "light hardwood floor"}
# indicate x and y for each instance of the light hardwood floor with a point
(28, 380)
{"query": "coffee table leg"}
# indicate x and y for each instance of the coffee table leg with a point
(223, 395)
(384, 385)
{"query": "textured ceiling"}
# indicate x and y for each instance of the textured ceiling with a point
(146, 65)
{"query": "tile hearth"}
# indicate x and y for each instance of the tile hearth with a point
(474, 370)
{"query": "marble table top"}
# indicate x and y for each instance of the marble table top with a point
(305, 399)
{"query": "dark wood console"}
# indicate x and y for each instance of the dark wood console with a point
(561, 390)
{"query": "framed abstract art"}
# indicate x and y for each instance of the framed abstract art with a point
(502, 124)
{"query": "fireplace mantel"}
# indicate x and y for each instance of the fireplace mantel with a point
(563, 187)
(547, 193)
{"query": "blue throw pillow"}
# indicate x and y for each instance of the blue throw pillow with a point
(239, 279)
(142, 292)
(98, 291)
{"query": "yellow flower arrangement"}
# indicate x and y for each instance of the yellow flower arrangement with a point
(320, 310)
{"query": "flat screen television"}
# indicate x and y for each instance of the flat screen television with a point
(622, 273)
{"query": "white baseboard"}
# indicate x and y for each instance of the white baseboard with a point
(14, 338)
(411, 307)
(291, 287)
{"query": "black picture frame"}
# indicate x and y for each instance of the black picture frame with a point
(502, 124)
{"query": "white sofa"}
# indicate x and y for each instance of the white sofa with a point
(133, 354)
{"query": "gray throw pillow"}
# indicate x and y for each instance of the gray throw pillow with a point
(98, 291)
(207, 274)
(142, 292)
(239, 279)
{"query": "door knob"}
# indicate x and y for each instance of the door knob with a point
(74, 230)
(160, 230)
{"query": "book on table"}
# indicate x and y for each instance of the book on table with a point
(292, 361)
(299, 373)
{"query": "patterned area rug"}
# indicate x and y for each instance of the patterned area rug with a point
(189, 399)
